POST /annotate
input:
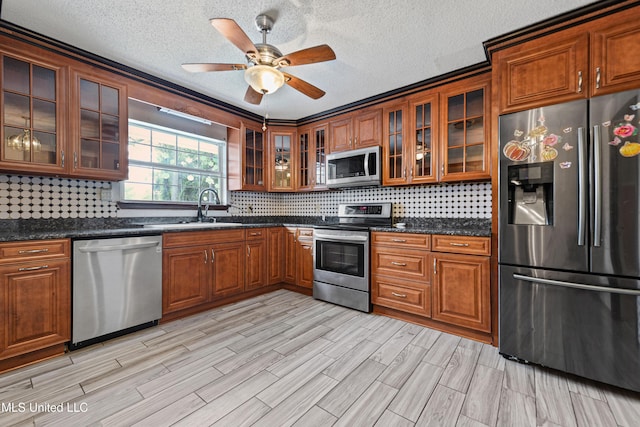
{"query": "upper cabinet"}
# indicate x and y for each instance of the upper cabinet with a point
(355, 130)
(464, 135)
(438, 135)
(312, 151)
(281, 164)
(246, 151)
(586, 60)
(33, 113)
(99, 121)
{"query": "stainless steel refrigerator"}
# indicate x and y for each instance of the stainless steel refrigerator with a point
(569, 237)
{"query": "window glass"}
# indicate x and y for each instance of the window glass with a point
(172, 166)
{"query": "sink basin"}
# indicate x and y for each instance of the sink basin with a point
(187, 225)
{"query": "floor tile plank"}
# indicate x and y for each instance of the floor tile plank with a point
(416, 391)
(516, 409)
(369, 407)
(442, 409)
(553, 403)
(483, 398)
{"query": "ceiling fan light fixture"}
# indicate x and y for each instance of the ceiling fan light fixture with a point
(264, 78)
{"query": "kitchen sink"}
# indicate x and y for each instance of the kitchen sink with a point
(188, 225)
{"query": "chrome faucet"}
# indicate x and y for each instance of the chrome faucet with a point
(202, 215)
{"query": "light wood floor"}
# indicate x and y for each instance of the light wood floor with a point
(286, 359)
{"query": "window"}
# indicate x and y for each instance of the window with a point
(171, 166)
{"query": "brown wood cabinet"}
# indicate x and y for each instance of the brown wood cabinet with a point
(461, 282)
(185, 278)
(246, 151)
(282, 163)
(99, 120)
(201, 266)
(355, 130)
(400, 272)
(34, 111)
(275, 255)
(256, 265)
(586, 60)
(35, 299)
(312, 151)
(299, 256)
(439, 135)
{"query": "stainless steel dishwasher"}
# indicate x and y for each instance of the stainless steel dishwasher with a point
(117, 287)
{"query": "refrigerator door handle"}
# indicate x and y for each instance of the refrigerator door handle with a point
(597, 187)
(576, 285)
(582, 187)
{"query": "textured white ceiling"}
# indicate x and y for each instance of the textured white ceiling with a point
(380, 45)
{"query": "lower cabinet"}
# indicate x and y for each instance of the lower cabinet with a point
(185, 278)
(461, 292)
(443, 279)
(256, 266)
(299, 257)
(200, 266)
(35, 300)
(400, 272)
(275, 255)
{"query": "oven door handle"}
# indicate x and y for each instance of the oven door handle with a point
(342, 238)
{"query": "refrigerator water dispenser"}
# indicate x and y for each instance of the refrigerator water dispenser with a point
(531, 194)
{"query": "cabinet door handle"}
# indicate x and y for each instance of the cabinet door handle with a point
(579, 81)
(213, 255)
(398, 295)
(33, 268)
(355, 141)
(399, 240)
(75, 160)
(62, 158)
(411, 172)
(598, 78)
(400, 264)
(464, 245)
(206, 256)
(435, 268)
(248, 251)
(33, 251)
(442, 170)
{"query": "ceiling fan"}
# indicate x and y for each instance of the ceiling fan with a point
(264, 61)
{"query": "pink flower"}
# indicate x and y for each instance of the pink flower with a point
(550, 140)
(625, 130)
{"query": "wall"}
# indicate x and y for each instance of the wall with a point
(24, 197)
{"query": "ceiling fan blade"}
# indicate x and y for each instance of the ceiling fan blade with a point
(252, 97)
(302, 86)
(200, 68)
(310, 55)
(232, 31)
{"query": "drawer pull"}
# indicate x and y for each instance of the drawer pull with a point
(255, 234)
(400, 264)
(399, 295)
(464, 245)
(206, 257)
(33, 251)
(399, 240)
(33, 268)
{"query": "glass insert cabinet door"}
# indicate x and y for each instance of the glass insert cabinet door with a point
(31, 122)
(254, 159)
(101, 115)
(282, 174)
(424, 140)
(465, 143)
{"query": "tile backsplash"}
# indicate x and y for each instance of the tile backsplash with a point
(23, 197)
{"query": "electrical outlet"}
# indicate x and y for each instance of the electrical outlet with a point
(105, 194)
(250, 208)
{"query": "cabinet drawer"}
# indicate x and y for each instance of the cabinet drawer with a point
(408, 296)
(396, 262)
(305, 233)
(461, 244)
(255, 233)
(33, 250)
(192, 238)
(405, 240)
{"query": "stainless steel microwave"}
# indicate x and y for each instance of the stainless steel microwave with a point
(354, 168)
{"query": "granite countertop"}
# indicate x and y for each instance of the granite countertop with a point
(39, 229)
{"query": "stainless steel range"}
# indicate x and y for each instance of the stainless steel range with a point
(341, 255)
